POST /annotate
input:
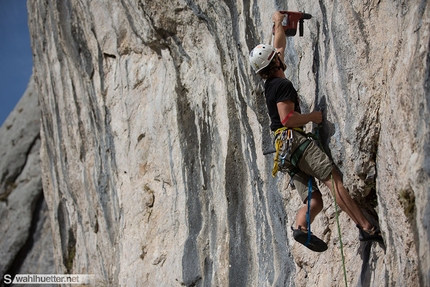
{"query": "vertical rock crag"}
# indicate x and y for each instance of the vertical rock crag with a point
(25, 241)
(153, 127)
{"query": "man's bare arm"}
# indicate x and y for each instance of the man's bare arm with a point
(292, 119)
(279, 40)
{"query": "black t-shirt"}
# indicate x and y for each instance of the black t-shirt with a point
(278, 90)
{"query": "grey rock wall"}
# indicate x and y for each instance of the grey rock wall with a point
(25, 240)
(154, 126)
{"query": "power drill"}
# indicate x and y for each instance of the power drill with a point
(290, 22)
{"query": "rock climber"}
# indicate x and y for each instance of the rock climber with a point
(285, 114)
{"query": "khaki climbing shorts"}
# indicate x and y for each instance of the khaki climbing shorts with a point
(314, 162)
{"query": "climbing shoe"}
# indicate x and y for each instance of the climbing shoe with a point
(315, 244)
(370, 235)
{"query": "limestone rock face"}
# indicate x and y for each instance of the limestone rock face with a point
(25, 241)
(154, 127)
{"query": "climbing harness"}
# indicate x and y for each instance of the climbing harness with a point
(283, 145)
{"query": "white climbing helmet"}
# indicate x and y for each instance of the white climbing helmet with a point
(261, 56)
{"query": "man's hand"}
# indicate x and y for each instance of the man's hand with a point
(317, 117)
(278, 17)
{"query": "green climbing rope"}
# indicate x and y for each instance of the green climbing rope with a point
(338, 230)
(336, 211)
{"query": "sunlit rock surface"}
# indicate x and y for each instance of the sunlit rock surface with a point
(154, 127)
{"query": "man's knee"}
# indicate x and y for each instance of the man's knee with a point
(333, 176)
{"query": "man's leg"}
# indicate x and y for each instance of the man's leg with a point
(345, 202)
(316, 207)
(300, 233)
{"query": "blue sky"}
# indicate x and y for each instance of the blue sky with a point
(15, 54)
